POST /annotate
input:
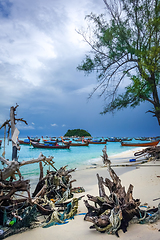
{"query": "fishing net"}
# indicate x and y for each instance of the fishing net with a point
(13, 226)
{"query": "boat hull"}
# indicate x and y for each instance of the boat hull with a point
(139, 144)
(86, 143)
(77, 144)
(50, 146)
(23, 142)
(96, 142)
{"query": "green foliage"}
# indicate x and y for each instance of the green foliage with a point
(137, 92)
(123, 101)
(77, 132)
(87, 65)
(127, 46)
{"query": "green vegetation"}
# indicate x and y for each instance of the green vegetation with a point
(77, 132)
(125, 46)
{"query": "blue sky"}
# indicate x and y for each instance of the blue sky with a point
(39, 52)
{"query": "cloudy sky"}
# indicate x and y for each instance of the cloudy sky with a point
(39, 52)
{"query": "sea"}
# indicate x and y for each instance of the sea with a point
(79, 157)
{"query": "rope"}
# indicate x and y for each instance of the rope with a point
(142, 218)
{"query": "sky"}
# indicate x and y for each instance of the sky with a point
(40, 50)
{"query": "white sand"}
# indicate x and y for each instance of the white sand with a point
(146, 187)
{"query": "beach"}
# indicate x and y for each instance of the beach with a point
(146, 181)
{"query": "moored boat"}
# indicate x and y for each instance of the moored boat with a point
(0, 143)
(113, 139)
(75, 143)
(49, 145)
(25, 141)
(35, 139)
(46, 139)
(77, 140)
(50, 142)
(79, 144)
(96, 141)
(147, 144)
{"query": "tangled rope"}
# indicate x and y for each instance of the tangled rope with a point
(60, 218)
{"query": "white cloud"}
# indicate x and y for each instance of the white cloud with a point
(23, 126)
(37, 33)
(26, 52)
(39, 48)
(54, 125)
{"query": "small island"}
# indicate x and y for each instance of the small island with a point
(77, 132)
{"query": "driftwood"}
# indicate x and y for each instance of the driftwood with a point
(8, 189)
(14, 166)
(56, 185)
(150, 152)
(113, 212)
(14, 131)
(49, 198)
(105, 156)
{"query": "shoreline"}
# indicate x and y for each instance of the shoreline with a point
(121, 161)
(121, 165)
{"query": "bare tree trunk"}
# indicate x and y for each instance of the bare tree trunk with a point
(14, 145)
(41, 170)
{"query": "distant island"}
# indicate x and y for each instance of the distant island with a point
(77, 132)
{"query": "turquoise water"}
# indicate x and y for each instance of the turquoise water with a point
(75, 157)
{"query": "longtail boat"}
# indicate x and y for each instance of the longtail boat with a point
(147, 144)
(25, 141)
(97, 142)
(35, 139)
(79, 144)
(75, 143)
(48, 145)
(50, 142)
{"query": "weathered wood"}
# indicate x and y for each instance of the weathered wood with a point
(41, 192)
(41, 157)
(12, 118)
(109, 184)
(101, 188)
(39, 186)
(50, 193)
(11, 187)
(115, 178)
(62, 171)
(41, 170)
(13, 166)
(106, 161)
(112, 212)
(11, 125)
(129, 196)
